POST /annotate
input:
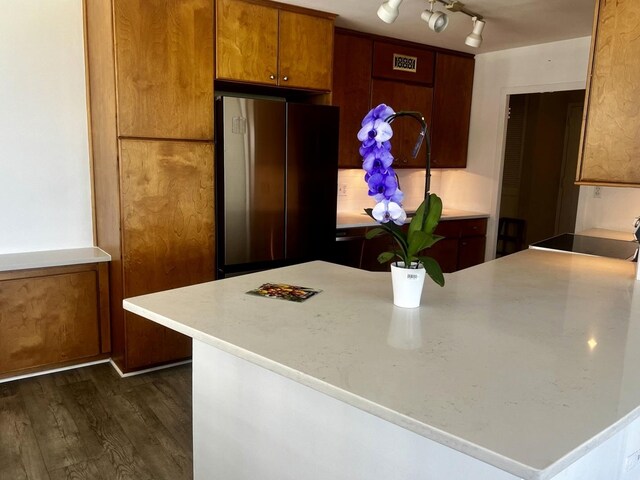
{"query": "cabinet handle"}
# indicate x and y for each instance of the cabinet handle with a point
(285, 78)
(272, 77)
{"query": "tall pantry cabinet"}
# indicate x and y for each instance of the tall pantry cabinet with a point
(150, 83)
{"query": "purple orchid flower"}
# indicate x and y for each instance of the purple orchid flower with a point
(375, 132)
(386, 211)
(381, 112)
(366, 150)
(382, 186)
(378, 159)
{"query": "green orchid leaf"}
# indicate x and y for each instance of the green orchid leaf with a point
(434, 213)
(376, 232)
(433, 270)
(386, 256)
(422, 241)
(417, 242)
(416, 221)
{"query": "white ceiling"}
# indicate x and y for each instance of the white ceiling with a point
(510, 23)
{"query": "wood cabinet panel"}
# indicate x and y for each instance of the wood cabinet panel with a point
(351, 92)
(404, 96)
(471, 251)
(164, 52)
(383, 63)
(305, 51)
(246, 42)
(446, 253)
(451, 110)
(167, 198)
(49, 319)
(611, 131)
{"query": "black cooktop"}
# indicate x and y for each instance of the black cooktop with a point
(586, 245)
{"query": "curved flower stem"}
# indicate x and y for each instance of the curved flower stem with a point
(424, 135)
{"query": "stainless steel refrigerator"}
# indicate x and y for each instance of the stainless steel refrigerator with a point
(276, 181)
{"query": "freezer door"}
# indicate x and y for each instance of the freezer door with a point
(253, 165)
(312, 180)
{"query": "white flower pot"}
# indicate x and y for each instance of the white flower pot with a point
(407, 284)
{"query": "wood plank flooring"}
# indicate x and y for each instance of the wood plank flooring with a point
(88, 423)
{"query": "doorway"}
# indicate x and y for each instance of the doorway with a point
(538, 197)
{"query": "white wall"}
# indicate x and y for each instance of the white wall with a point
(45, 187)
(614, 210)
(540, 68)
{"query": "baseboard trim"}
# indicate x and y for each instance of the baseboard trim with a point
(147, 370)
(53, 370)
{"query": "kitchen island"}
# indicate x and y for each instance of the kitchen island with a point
(521, 368)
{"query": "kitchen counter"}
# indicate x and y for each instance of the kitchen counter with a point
(361, 219)
(52, 258)
(528, 365)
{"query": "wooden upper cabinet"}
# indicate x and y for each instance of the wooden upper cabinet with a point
(610, 147)
(164, 68)
(246, 42)
(401, 62)
(404, 96)
(306, 51)
(451, 110)
(259, 42)
(351, 92)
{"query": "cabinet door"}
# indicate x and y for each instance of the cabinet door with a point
(471, 251)
(49, 319)
(451, 110)
(305, 51)
(404, 96)
(611, 139)
(164, 57)
(246, 42)
(445, 252)
(351, 92)
(167, 210)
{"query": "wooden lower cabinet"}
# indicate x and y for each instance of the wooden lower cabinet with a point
(51, 317)
(462, 247)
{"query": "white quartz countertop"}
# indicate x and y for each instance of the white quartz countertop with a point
(527, 362)
(52, 258)
(361, 219)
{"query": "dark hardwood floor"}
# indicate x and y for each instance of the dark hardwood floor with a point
(88, 423)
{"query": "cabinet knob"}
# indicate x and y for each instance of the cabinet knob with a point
(272, 77)
(285, 78)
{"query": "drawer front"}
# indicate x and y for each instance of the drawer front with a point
(398, 62)
(462, 228)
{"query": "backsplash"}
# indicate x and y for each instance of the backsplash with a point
(352, 190)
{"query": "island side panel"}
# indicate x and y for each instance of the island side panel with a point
(250, 423)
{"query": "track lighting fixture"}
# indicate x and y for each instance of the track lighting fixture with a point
(388, 11)
(437, 20)
(474, 39)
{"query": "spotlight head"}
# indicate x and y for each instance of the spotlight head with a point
(474, 39)
(437, 21)
(388, 11)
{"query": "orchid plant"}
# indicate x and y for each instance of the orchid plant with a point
(375, 135)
